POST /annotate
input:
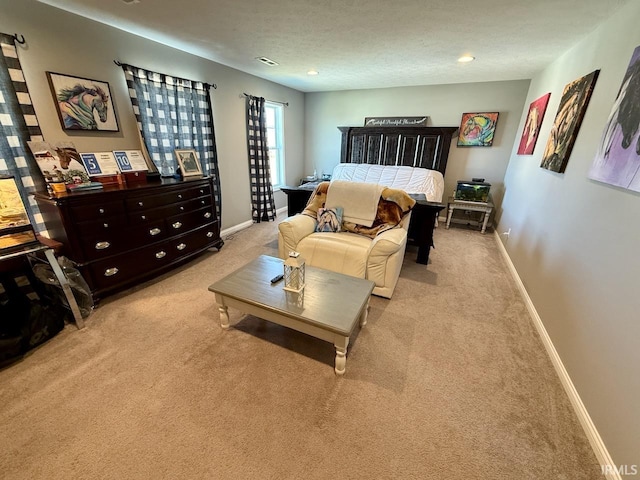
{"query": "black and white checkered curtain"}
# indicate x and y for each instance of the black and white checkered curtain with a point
(19, 125)
(174, 113)
(262, 204)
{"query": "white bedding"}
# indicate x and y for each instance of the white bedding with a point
(410, 179)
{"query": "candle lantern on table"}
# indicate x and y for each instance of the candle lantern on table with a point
(294, 272)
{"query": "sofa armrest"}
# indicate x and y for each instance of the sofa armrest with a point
(291, 231)
(388, 242)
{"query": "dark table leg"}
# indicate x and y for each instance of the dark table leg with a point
(423, 220)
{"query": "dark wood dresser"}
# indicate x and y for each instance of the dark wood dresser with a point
(120, 236)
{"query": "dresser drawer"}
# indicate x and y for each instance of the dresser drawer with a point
(144, 202)
(96, 211)
(150, 214)
(195, 240)
(112, 241)
(117, 269)
(103, 226)
(188, 221)
(189, 205)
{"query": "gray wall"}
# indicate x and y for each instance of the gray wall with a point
(61, 42)
(444, 104)
(575, 242)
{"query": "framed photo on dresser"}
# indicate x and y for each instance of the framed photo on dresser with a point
(189, 163)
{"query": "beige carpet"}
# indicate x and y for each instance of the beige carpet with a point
(448, 380)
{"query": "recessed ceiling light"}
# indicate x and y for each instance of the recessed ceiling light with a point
(130, 2)
(267, 61)
(312, 72)
(466, 59)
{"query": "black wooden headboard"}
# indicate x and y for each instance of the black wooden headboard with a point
(424, 147)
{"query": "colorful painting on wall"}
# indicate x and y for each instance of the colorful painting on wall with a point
(617, 160)
(573, 105)
(477, 129)
(532, 125)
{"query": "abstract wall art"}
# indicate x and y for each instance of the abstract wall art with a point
(532, 125)
(573, 105)
(477, 129)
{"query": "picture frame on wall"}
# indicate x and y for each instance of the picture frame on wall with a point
(477, 129)
(531, 129)
(573, 106)
(83, 104)
(617, 160)
(189, 163)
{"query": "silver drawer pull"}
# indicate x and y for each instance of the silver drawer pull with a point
(102, 245)
(207, 215)
(181, 246)
(176, 224)
(141, 204)
(201, 190)
(182, 209)
(154, 231)
(209, 234)
(202, 202)
(180, 196)
(161, 254)
(106, 225)
(110, 272)
(143, 217)
(101, 210)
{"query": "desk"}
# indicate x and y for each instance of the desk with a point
(297, 197)
(51, 258)
(484, 207)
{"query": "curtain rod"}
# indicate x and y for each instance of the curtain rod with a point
(212, 84)
(286, 104)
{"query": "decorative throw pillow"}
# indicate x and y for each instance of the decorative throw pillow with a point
(329, 219)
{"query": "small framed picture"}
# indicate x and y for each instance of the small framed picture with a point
(189, 163)
(83, 103)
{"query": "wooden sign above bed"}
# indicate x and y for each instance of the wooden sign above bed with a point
(423, 147)
(396, 121)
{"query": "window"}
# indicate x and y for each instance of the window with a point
(275, 141)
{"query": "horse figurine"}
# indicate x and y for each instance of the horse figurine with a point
(77, 104)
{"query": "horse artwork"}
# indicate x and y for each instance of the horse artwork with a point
(477, 129)
(59, 163)
(83, 104)
(573, 106)
(617, 160)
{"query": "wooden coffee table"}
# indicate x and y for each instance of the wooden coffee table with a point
(329, 307)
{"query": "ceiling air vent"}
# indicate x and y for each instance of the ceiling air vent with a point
(267, 61)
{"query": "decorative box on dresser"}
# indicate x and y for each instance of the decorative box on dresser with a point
(122, 235)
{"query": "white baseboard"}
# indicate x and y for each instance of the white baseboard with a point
(236, 228)
(241, 226)
(599, 448)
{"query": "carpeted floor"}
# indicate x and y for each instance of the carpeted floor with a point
(448, 380)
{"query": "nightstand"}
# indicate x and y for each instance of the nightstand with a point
(484, 207)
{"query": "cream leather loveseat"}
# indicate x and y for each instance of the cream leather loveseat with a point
(377, 257)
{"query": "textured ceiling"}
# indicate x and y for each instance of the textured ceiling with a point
(357, 44)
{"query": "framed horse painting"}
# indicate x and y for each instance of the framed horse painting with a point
(83, 103)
